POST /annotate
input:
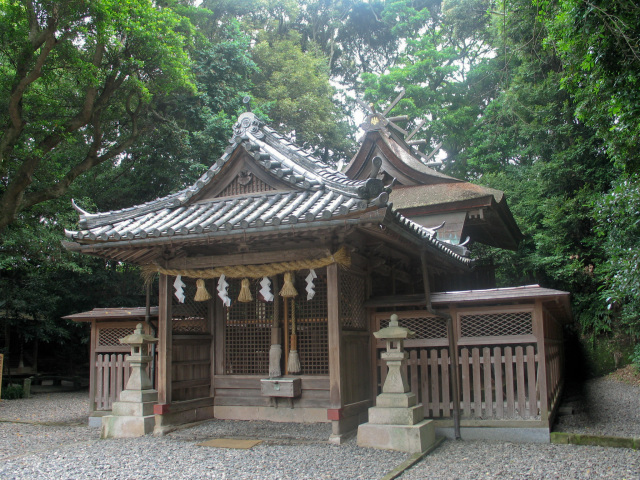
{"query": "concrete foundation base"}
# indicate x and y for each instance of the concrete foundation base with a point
(280, 414)
(405, 438)
(503, 434)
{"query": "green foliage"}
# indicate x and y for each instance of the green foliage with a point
(80, 83)
(292, 88)
(618, 227)
(599, 43)
(12, 392)
(635, 357)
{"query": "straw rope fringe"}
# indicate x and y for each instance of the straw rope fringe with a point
(341, 257)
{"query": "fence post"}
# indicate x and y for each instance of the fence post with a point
(1, 368)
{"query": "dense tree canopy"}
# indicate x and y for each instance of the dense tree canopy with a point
(116, 103)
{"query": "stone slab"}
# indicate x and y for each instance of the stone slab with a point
(404, 438)
(230, 443)
(396, 416)
(396, 400)
(138, 396)
(132, 409)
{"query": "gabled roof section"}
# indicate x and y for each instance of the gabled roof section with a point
(294, 189)
(398, 159)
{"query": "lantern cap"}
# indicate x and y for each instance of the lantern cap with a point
(393, 331)
(138, 338)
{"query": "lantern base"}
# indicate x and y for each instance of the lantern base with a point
(404, 438)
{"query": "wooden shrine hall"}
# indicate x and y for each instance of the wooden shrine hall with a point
(274, 270)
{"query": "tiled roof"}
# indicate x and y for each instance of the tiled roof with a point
(318, 194)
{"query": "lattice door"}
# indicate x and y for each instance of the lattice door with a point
(190, 317)
(248, 329)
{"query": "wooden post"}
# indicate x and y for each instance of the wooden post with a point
(211, 321)
(93, 342)
(538, 331)
(335, 337)
(219, 337)
(165, 341)
(1, 367)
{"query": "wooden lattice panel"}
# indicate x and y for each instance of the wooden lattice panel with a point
(353, 315)
(245, 182)
(423, 327)
(312, 327)
(247, 333)
(190, 317)
(496, 324)
(110, 336)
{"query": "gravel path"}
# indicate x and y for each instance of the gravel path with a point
(605, 407)
(57, 445)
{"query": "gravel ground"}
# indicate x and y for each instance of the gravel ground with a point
(57, 445)
(606, 406)
(504, 461)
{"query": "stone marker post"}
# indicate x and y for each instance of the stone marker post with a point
(133, 412)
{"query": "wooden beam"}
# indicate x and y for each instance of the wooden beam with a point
(165, 341)
(335, 337)
(213, 261)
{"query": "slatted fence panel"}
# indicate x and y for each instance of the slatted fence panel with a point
(111, 374)
(496, 383)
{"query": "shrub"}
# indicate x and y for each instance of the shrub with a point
(635, 357)
(11, 392)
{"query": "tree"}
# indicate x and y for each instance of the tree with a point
(599, 43)
(82, 82)
(292, 88)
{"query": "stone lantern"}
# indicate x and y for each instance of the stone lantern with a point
(133, 412)
(397, 421)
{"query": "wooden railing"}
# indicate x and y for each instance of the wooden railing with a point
(111, 376)
(500, 375)
(495, 383)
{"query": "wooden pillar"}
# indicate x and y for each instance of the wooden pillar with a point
(538, 331)
(165, 341)
(219, 337)
(335, 337)
(211, 321)
(93, 371)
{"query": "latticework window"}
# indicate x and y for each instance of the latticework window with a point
(190, 317)
(422, 327)
(312, 327)
(245, 182)
(496, 324)
(353, 315)
(110, 337)
(248, 333)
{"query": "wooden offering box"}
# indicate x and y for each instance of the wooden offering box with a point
(289, 387)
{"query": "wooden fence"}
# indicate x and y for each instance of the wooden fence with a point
(111, 376)
(505, 372)
(496, 383)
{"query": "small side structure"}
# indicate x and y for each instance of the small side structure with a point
(266, 218)
(109, 369)
(133, 412)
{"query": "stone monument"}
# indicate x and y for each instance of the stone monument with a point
(396, 422)
(132, 415)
